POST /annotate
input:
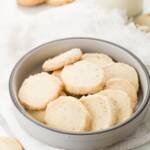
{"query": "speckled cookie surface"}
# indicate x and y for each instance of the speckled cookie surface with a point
(122, 71)
(125, 85)
(67, 114)
(100, 59)
(83, 78)
(62, 60)
(37, 90)
(103, 111)
(123, 102)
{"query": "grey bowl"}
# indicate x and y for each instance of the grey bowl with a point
(31, 63)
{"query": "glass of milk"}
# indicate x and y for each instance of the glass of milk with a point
(131, 7)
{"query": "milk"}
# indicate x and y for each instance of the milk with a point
(131, 7)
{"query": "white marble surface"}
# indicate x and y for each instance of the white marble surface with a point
(10, 13)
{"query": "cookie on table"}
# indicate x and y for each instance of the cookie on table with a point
(83, 77)
(7, 143)
(67, 114)
(62, 60)
(123, 102)
(30, 2)
(38, 115)
(39, 89)
(122, 71)
(100, 59)
(58, 2)
(143, 21)
(125, 85)
(102, 109)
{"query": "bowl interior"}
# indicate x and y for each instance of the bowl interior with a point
(31, 62)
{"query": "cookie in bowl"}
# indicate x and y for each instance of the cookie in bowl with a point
(37, 90)
(68, 114)
(124, 108)
(108, 96)
(83, 78)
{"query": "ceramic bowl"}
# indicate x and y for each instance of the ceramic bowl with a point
(31, 63)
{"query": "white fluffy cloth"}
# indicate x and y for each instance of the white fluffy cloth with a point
(80, 19)
(85, 20)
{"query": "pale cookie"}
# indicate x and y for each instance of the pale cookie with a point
(102, 109)
(82, 78)
(101, 60)
(58, 2)
(7, 143)
(62, 60)
(30, 2)
(122, 71)
(123, 102)
(37, 90)
(67, 114)
(38, 115)
(125, 85)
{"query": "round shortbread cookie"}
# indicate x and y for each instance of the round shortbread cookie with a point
(122, 71)
(82, 78)
(58, 2)
(123, 102)
(38, 115)
(143, 22)
(30, 2)
(125, 85)
(101, 60)
(37, 90)
(102, 109)
(62, 60)
(7, 143)
(68, 114)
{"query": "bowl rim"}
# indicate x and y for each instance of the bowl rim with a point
(24, 113)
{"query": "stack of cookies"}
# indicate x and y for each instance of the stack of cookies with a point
(81, 92)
